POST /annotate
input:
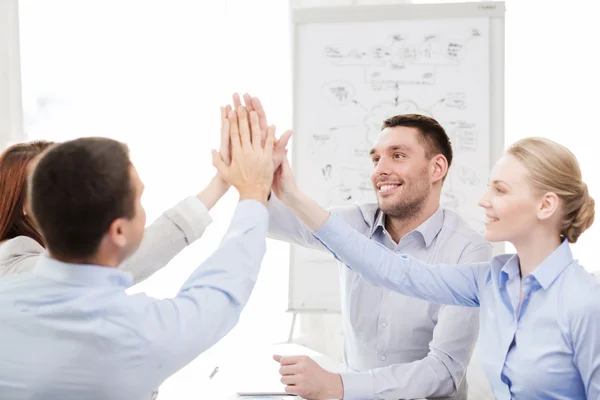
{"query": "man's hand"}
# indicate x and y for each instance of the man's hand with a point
(305, 378)
(254, 104)
(251, 168)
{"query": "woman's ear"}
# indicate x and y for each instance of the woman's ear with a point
(549, 206)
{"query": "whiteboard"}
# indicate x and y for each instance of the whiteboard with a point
(355, 67)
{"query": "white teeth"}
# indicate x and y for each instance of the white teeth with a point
(490, 220)
(383, 188)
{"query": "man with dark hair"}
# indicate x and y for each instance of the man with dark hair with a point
(397, 347)
(69, 330)
(431, 134)
(85, 199)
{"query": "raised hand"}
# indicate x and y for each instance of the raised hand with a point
(251, 169)
(254, 104)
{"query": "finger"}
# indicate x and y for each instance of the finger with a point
(282, 142)
(277, 175)
(288, 370)
(256, 135)
(262, 116)
(236, 101)
(224, 148)
(270, 143)
(277, 357)
(234, 132)
(290, 360)
(289, 380)
(219, 164)
(242, 116)
(285, 165)
(291, 389)
(227, 109)
(223, 116)
(248, 102)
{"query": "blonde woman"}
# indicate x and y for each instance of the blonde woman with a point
(540, 309)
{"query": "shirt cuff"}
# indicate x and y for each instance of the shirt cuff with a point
(191, 216)
(358, 385)
(251, 209)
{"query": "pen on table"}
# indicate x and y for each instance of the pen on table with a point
(213, 373)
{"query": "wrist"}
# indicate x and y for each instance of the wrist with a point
(291, 197)
(336, 387)
(220, 184)
(254, 192)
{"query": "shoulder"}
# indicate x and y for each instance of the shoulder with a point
(18, 254)
(21, 245)
(462, 235)
(581, 290)
(456, 225)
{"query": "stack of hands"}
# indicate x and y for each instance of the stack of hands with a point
(255, 163)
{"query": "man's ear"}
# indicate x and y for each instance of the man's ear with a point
(438, 167)
(116, 233)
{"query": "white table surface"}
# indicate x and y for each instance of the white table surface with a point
(256, 370)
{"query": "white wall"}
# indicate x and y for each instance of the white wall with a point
(10, 83)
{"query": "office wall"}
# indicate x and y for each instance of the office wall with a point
(10, 89)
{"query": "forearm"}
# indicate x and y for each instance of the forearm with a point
(424, 378)
(213, 192)
(452, 284)
(176, 228)
(284, 225)
(210, 301)
(306, 209)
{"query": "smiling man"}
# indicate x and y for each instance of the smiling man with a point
(397, 347)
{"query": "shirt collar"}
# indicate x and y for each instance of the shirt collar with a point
(551, 268)
(428, 229)
(509, 268)
(82, 274)
(545, 273)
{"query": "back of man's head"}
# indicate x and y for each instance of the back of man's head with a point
(77, 189)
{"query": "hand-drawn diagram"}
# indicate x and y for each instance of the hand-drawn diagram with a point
(355, 84)
(403, 59)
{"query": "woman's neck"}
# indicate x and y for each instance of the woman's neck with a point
(534, 249)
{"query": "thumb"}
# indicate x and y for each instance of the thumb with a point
(219, 164)
(286, 168)
(277, 358)
(282, 142)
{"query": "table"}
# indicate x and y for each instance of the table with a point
(255, 369)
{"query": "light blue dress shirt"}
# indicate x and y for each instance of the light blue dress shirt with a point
(69, 331)
(546, 348)
(399, 347)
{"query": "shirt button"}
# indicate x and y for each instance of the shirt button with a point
(384, 324)
(383, 358)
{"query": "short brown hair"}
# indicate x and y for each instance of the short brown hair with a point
(431, 132)
(14, 163)
(77, 189)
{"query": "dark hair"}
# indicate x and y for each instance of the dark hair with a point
(431, 132)
(14, 166)
(77, 189)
